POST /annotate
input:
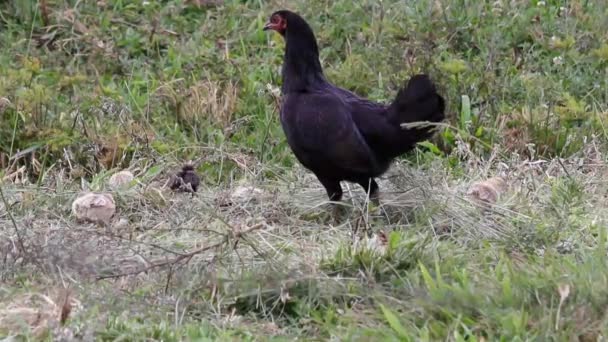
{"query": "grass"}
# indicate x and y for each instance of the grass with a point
(88, 88)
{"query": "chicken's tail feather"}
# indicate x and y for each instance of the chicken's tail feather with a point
(417, 101)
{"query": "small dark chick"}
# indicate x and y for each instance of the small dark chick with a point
(336, 134)
(186, 180)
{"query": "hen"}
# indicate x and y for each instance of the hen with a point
(336, 134)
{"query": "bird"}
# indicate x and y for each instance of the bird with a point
(335, 133)
(186, 180)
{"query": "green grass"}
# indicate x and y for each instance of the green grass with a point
(91, 87)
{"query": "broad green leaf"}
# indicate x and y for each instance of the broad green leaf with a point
(428, 280)
(393, 322)
(465, 111)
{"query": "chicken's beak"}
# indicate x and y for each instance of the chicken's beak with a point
(268, 26)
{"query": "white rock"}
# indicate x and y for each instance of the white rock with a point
(120, 179)
(122, 223)
(92, 207)
(246, 193)
(488, 191)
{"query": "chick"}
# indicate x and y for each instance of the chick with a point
(186, 180)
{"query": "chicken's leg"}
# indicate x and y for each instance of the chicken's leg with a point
(371, 187)
(334, 192)
(333, 188)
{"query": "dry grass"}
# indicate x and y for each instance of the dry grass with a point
(39, 313)
(277, 230)
(206, 102)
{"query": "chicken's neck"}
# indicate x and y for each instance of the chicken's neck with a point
(301, 67)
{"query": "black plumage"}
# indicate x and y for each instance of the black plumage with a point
(333, 132)
(186, 180)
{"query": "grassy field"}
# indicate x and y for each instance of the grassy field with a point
(88, 88)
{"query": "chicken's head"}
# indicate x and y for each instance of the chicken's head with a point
(277, 22)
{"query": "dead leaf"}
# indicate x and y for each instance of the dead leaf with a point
(564, 291)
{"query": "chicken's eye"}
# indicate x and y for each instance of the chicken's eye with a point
(279, 22)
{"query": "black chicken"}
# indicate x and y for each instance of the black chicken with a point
(335, 133)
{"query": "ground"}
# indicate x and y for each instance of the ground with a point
(495, 229)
